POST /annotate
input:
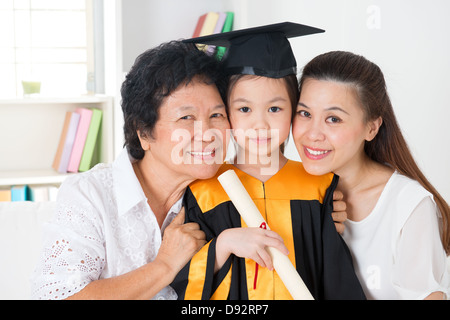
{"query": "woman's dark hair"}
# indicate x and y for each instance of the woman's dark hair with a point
(156, 74)
(389, 146)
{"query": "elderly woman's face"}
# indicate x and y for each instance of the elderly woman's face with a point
(190, 136)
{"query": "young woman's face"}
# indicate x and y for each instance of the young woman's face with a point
(260, 114)
(329, 128)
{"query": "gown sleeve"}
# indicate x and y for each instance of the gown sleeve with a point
(339, 277)
(197, 279)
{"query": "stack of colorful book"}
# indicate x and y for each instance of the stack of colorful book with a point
(78, 141)
(29, 193)
(212, 23)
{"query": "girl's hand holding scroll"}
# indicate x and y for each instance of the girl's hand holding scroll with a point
(248, 243)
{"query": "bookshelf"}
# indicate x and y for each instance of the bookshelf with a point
(30, 130)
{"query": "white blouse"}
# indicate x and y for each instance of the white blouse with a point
(397, 251)
(103, 227)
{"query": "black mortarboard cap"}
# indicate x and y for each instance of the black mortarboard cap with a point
(263, 51)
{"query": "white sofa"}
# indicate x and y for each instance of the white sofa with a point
(20, 245)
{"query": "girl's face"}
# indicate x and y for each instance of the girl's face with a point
(329, 128)
(260, 114)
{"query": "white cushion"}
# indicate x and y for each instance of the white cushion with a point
(20, 244)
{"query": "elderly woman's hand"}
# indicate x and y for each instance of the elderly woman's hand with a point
(180, 242)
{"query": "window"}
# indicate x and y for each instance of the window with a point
(49, 41)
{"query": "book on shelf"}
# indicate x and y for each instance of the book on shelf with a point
(5, 195)
(217, 29)
(29, 193)
(208, 27)
(68, 138)
(227, 26)
(43, 193)
(91, 141)
(20, 193)
(209, 24)
(78, 141)
(212, 23)
(62, 140)
(199, 26)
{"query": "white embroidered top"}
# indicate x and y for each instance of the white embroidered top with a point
(103, 227)
(397, 251)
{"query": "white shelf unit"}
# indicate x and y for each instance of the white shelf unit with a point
(30, 130)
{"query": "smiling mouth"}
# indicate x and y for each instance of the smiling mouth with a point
(260, 140)
(316, 154)
(203, 154)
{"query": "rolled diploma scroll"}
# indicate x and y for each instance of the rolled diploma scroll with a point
(253, 218)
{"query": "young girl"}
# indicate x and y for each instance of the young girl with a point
(345, 124)
(297, 206)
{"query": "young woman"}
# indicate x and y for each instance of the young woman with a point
(297, 206)
(345, 124)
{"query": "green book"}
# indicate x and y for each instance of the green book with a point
(227, 26)
(91, 141)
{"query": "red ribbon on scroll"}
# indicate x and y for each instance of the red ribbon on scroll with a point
(262, 226)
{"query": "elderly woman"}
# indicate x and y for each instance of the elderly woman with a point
(116, 233)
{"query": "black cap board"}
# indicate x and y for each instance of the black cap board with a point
(263, 51)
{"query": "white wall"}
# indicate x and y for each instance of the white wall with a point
(408, 39)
